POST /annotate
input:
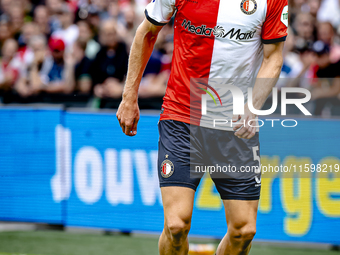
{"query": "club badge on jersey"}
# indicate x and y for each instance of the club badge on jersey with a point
(248, 7)
(167, 168)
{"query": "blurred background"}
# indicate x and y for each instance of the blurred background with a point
(76, 52)
(65, 165)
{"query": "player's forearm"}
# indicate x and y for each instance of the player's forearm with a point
(141, 50)
(266, 79)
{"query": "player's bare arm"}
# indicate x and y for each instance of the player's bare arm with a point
(142, 46)
(270, 70)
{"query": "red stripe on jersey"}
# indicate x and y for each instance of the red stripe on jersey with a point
(273, 28)
(246, 5)
(193, 48)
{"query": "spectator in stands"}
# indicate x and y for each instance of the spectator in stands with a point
(98, 39)
(9, 66)
(128, 24)
(41, 61)
(102, 7)
(110, 65)
(326, 88)
(29, 30)
(303, 70)
(86, 36)
(165, 45)
(53, 7)
(5, 6)
(292, 63)
(324, 67)
(151, 84)
(17, 19)
(157, 71)
(68, 31)
(93, 18)
(304, 27)
(82, 68)
(295, 7)
(41, 18)
(313, 7)
(113, 9)
(56, 76)
(326, 34)
(329, 11)
(5, 32)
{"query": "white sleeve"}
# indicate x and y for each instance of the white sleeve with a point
(159, 12)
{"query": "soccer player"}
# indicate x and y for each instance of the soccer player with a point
(240, 42)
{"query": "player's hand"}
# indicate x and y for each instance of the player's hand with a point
(128, 116)
(244, 131)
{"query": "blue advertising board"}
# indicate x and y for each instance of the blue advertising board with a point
(27, 162)
(79, 169)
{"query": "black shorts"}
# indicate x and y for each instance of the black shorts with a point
(186, 152)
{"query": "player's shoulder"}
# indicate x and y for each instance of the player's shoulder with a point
(275, 5)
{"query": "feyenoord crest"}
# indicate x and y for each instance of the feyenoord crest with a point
(248, 6)
(167, 168)
(258, 181)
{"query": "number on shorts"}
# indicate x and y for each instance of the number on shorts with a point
(257, 157)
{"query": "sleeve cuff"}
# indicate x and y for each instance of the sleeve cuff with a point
(156, 23)
(276, 40)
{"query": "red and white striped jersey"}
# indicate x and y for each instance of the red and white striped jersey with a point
(220, 39)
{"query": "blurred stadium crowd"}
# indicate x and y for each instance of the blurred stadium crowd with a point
(76, 52)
